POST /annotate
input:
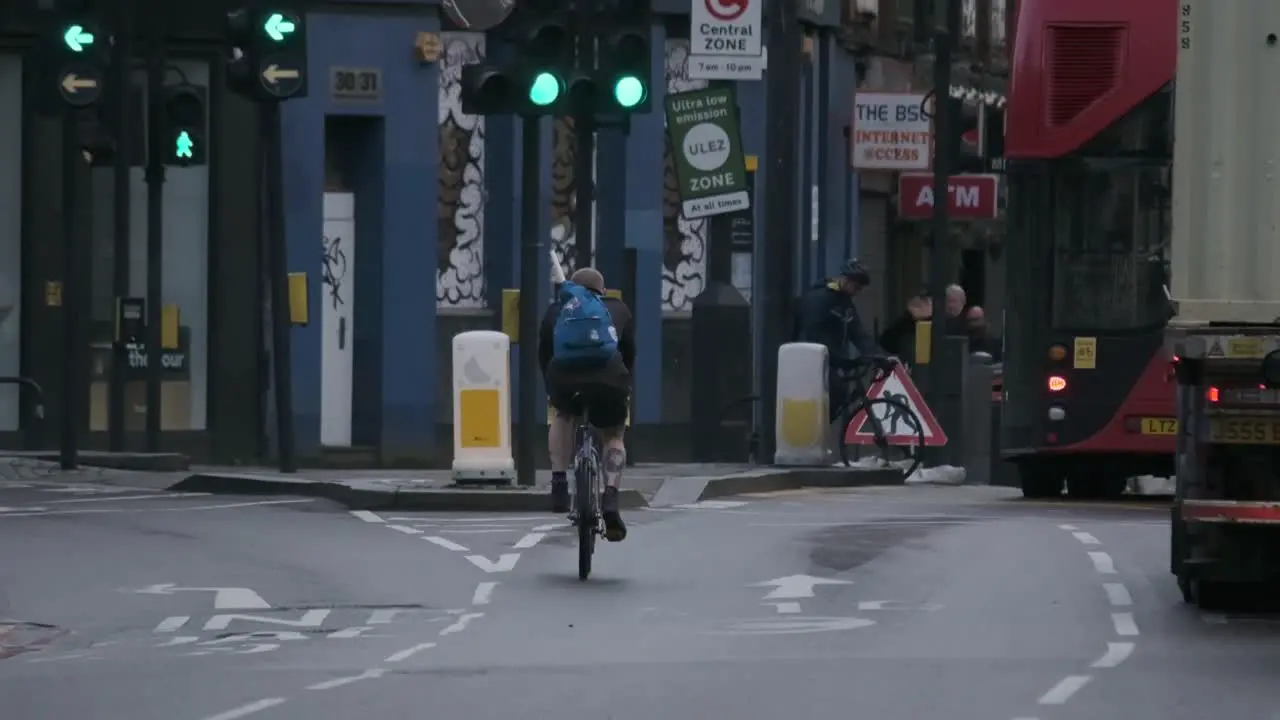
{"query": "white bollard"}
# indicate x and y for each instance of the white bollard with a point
(801, 434)
(482, 408)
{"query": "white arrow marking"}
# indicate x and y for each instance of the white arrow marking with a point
(794, 587)
(506, 562)
(274, 73)
(461, 623)
(529, 541)
(171, 624)
(483, 593)
(226, 598)
(309, 619)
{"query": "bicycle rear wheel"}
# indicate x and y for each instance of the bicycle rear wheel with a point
(902, 448)
(586, 517)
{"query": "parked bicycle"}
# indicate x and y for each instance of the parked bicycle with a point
(897, 432)
(588, 484)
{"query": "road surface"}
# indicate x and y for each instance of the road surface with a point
(891, 603)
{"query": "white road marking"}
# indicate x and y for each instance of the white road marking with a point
(445, 543)
(170, 624)
(551, 527)
(350, 633)
(1086, 538)
(483, 593)
(1117, 594)
(479, 531)
(465, 520)
(787, 608)
(1117, 652)
(1125, 626)
(1063, 691)
(339, 682)
(31, 512)
(460, 624)
(251, 708)
(408, 652)
(1068, 527)
(117, 498)
(369, 517)
(1102, 563)
(406, 529)
(383, 616)
(506, 562)
(529, 541)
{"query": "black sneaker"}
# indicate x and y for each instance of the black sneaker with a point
(614, 529)
(559, 496)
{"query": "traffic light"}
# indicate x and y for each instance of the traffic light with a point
(182, 141)
(70, 63)
(269, 53)
(625, 59)
(544, 57)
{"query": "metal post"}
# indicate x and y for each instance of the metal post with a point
(782, 98)
(808, 248)
(941, 262)
(73, 344)
(584, 156)
(279, 278)
(530, 260)
(847, 196)
(155, 232)
(120, 220)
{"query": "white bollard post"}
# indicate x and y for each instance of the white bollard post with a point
(482, 409)
(801, 434)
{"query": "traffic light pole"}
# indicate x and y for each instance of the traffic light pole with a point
(155, 231)
(940, 261)
(530, 248)
(74, 343)
(120, 220)
(281, 357)
(584, 130)
(782, 98)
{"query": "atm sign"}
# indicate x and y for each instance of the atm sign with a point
(970, 197)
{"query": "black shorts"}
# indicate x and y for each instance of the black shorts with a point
(603, 394)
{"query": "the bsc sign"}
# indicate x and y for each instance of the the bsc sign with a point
(969, 197)
(891, 132)
(898, 431)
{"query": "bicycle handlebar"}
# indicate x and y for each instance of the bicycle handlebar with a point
(881, 365)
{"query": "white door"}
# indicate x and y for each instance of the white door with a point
(338, 282)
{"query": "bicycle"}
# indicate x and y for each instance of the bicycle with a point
(587, 486)
(879, 412)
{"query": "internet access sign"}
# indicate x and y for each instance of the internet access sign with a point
(703, 128)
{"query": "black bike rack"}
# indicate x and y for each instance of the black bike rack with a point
(33, 438)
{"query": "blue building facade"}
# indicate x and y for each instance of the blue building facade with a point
(437, 196)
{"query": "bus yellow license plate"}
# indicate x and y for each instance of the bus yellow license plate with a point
(1245, 431)
(1159, 426)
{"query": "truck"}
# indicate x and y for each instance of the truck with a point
(1088, 390)
(1224, 337)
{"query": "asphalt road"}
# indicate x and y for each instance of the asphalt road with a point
(928, 602)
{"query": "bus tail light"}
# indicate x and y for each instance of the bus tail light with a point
(1057, 383)
(1212, 395)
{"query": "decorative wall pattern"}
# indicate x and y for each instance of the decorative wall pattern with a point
(684, 242)
(564, 232)
(461, 200)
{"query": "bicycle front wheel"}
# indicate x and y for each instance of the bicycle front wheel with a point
(890, 426)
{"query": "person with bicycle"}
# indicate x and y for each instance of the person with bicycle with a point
(828, 316)
(587, 350)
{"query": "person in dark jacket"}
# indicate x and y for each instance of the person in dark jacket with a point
(899, 336)
(603, 392)
(827, 316)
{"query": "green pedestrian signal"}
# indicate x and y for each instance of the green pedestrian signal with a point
(77, 38)
(545, 89)
(183, 146)
(277, 26)
(628, 91)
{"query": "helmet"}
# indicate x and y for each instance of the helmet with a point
(856, 271)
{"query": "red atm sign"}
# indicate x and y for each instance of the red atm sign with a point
(970, 197)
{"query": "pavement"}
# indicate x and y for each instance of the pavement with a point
(896, 603)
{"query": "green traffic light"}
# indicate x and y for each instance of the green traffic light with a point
(184, 145)
(77, 38)
(628, 91)
(545, 89)
(277, 26)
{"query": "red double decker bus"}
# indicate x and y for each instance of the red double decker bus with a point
(1088, 394)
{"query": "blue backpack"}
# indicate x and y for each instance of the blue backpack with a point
(584, 332)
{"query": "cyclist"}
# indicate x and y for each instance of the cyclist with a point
(587, 350)
(827, 316)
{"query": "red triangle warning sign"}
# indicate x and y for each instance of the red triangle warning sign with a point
(897, 431)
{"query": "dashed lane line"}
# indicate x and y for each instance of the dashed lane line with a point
(1059, 694)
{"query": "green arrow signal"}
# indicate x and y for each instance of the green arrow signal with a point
(76, 38)
(277, 26)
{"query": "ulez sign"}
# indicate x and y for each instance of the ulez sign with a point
(969, 197)
(703, 128)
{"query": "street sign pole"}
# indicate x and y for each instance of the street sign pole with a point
(278, 267)
(941, 266)
(778, 259)
(75, 344)
(155, 228)
(121, 208)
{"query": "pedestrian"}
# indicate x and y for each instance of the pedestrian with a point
(899, 337)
